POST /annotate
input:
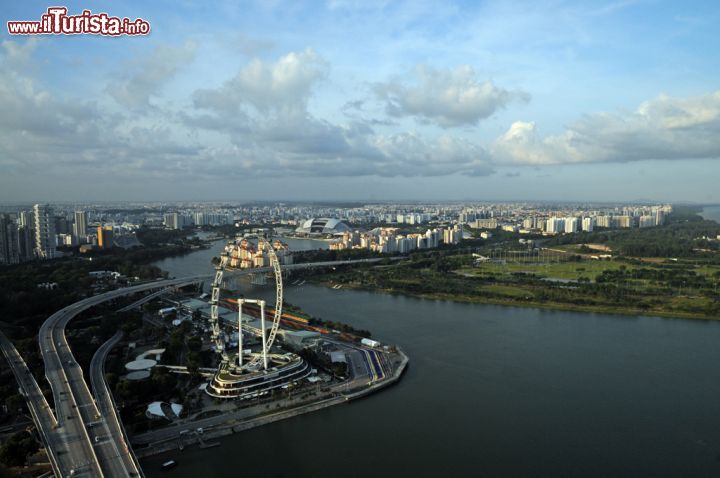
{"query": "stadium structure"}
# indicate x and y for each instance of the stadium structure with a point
(248, 373)
(323, 227)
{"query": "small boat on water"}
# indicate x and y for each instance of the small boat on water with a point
(168, 465)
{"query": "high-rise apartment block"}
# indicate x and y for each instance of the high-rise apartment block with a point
(485, 224)
(555, 225)
(9, 245)
(571, 224)
(80, 227)
(603, 221)
(105, 237)
(44, 232)
(173, 221)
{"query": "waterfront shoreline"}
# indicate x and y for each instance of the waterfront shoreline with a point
(487, 362)
(230, 427)
(527, 305)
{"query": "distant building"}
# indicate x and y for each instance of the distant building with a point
(80, 227)
(646, 221)
(26, 218)
(61, 225)
(467, 217)
(173, 221)
(603, 221)
(571, 225)
(484, 224)
(453, 236)
(85, 248)
(623, 221)
(555, 225)
(243, 254)
(105, 237)
(66, 240)
(26, 242)
(659, 217)
(323, 226)
(9, 245)
(432, 238)
(587, 224)
(210, 219)
(45, 247)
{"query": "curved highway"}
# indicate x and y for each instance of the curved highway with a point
(42, 415)
(93, 449)
(85, 438)
(111, 423)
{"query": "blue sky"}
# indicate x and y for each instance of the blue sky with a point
(356, 100)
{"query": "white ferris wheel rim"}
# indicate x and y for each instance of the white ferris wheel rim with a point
(214, 312)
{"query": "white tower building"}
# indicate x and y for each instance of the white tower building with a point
(571, 224)
(44, 232)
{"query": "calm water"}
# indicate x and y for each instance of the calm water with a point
(712, 213)
(498, 391)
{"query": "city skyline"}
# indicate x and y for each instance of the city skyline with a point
(367, 101)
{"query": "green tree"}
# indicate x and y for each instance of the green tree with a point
(16, 449)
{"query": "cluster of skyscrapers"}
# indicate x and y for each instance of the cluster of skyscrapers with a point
(244, 254)
(176, 220)
(560, 222)
(386, 239)
(37, 233)
(29, 235)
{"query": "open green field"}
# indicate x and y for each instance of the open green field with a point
(633, 286)
(588, 269)
(556, 270)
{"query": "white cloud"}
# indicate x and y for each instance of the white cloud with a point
(445, 97)
(662, 128)
(48, 132)
(284, 85)
(407, 154)
(145, 78)
(284, 138)
(257, 124)
(17, 54)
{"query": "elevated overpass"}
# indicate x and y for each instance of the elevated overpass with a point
(47, 426)
(84, 437)
(94, 446)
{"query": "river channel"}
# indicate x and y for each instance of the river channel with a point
(493, 391)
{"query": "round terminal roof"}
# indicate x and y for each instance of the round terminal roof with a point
(138, 375)
(142, 364)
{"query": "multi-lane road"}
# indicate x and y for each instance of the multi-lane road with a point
(95, 445)
(47, 426)
(85, 437)
(110, 430)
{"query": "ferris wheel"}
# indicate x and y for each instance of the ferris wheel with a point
(267, 337)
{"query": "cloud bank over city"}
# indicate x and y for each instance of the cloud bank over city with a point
(258, 107)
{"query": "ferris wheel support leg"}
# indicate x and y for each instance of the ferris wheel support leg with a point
(240, 337)
(262, 327)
